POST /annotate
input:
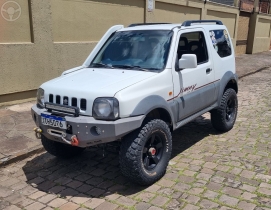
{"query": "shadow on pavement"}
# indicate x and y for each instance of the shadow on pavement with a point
(92, 175)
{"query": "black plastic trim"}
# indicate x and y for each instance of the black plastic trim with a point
(76, 109)
(189, 22)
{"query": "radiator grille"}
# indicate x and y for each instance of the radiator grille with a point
(69, 101)
(58, 99)
(83, 104)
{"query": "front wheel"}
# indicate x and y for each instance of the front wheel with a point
(223, 118)
(145, 153)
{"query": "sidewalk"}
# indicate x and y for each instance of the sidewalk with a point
(16, 125)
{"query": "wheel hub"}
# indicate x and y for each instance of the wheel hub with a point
(152, 151)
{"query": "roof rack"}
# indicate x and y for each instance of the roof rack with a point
(189, 22)
(145, 24)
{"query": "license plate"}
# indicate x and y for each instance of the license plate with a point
(53, 121)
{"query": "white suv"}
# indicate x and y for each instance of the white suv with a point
(138, 84)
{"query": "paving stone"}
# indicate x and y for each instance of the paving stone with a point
(206, 204)
(153, 188)
(36, 195)
(265, 191)
(246, 206)
(5, 192)
(210, 165)
(265, 185)
(80, 199)
(94, 202)
(142, 206)
(96, 192)
(196, 191)
(145, 196)
(210, 194)
(57, 202)
(69, 206)
(12, 207)
(154, 208)
(229, 200)
(192, 199)
(247, 174)
(47, 198)
(232, 191)
(189, 173)
(181, 187)
(159, 201)
(248, 188)
(14, 198)
(190, 207)
(106, 205)
(35, 206)
(24, 202)
(249, 196)
(214, 186)
(126, 201)
(204, 176)
(166, 183)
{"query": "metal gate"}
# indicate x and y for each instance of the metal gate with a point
(242, 34)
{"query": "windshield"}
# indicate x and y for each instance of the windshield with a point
(139, 50)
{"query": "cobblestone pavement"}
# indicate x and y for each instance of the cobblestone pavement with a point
(208, 170)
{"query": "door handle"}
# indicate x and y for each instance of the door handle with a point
(208, 71)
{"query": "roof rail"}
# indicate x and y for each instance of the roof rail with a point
(145, 24)
(189, 22)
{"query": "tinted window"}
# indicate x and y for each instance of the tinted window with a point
(193, 43)
(221, 42)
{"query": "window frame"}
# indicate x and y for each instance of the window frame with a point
(230, 45)
(205, 42)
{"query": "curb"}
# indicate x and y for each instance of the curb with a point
(11, 159)
(254, 72)
(24, 155)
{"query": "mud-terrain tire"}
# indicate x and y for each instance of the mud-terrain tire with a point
(145, 153)
(223, 118)
(60, 149)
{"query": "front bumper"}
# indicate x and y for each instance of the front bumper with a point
(83, 126)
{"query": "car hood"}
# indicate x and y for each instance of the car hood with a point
(91, 83)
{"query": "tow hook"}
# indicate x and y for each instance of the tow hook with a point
(38, 132)
(74, 141)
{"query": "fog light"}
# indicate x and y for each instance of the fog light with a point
(95, 131)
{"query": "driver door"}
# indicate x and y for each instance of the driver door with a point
(194, 88)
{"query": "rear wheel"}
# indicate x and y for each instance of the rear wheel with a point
(60, 149)
(223, 118)
(145, 153)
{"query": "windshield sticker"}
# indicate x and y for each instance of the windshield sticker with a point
(214, 42)
(221, 42)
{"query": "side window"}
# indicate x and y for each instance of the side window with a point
(193, 43)
(221, 42)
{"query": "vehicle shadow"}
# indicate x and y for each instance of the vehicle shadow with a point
(95, 175)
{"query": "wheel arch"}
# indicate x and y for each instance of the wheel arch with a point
(229, 80)
(156, 107)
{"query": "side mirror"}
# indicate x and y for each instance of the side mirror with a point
(188, 61)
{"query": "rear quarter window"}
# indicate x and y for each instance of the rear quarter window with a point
(221, 42)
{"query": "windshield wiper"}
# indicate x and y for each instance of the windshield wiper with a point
(101, 65)
(130, 67)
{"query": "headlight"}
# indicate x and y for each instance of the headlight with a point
(105, 109)
(40, 97)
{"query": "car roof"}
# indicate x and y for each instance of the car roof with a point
(170, 26)
(158, 26)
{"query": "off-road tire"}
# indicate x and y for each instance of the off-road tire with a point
(60, 149)
(219, 117)
(133, 149)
